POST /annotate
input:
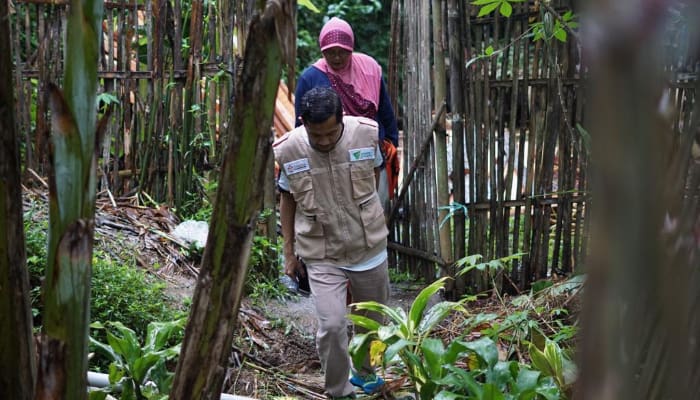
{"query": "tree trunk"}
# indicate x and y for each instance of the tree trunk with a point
(17, 366)
(63, 356)
(640, 313)
(207, 344)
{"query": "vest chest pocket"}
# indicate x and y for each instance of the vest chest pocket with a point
(362, 181)
(302, 189)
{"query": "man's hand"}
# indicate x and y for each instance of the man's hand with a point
(292, 267)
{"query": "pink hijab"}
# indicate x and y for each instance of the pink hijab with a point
(357, 84)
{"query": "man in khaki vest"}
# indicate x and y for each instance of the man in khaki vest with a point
(333, 220)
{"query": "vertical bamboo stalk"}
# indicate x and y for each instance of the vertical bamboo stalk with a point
(63, 357)
(17, 365)
(455, 15)
(440, 135)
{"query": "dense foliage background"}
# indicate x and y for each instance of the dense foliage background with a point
(370, 21)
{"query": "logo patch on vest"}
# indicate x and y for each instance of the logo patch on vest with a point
(365, 153)
(296, 166)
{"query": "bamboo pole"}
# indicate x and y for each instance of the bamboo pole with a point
(440, 135)
(17, 363)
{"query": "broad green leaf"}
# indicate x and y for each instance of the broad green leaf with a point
(548, 389)
(427, 389)
(462, 379)
(491, 392)
(364, 322)
(116, 373)
(437, 314)
(433, 351)
(416, 312)
(500, 374)
(488, 51)
(488, 9)
(391, 333)
(526, 380)
(506, 9)
(105, 350)
(158, 333)
(454, 350)
(446, 395)
(397, 314)
(482, 2)
(553, 354)
(359, 348)
(539, 361)
(97, 395)
(143, 364)
(396, 348)
(124, 347)
(560, 34)
(485, 348)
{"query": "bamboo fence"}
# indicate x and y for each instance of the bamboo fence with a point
(517, 162)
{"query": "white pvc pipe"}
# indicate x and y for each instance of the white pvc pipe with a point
(98, 380)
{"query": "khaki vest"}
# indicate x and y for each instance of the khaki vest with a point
(339, 218)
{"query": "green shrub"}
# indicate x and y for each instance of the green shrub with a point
(126, 294)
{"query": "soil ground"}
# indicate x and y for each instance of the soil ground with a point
(274, 354)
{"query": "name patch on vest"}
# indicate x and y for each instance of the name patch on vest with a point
(296, 166)
(365, 153)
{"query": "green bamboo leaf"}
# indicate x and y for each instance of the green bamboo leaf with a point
(488, 9)
(506, 9)
(483, 2)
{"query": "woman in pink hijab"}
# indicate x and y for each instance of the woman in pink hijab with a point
(356, 77)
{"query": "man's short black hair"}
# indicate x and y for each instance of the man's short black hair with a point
(319, 104)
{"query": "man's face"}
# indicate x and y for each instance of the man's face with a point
(324, 135)
(337, 57)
